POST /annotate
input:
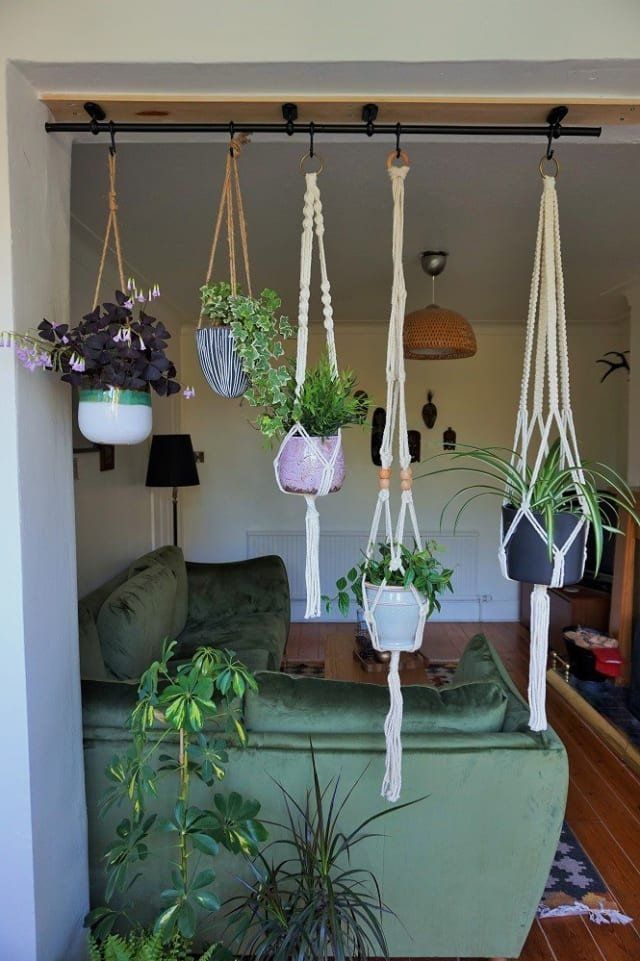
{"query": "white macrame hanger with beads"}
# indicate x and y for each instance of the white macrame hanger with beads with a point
(542, 412)
(396, 423)
(312, 222)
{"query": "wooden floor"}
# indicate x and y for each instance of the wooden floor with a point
(604, 796)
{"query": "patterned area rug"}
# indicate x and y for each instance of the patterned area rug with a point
(575, 886)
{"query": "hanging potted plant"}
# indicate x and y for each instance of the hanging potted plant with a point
(325, 404)
(422, 579)
(215, 342)
(563, 501)
(114, 358)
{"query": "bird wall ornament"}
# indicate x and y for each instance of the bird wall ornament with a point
(621, 363)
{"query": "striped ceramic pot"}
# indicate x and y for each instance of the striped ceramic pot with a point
(115, 416)
(219, 361)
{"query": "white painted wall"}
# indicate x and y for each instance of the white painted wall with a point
(478, 397)
(117, 517)
(42, 809)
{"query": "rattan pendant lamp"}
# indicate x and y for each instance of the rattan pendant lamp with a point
(437, 333)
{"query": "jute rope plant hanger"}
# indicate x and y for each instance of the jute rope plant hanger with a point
(323, 460)
(220, 364)
(541, 412)
(396, 423)
(112, 226)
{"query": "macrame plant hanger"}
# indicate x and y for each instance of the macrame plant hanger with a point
(312, 221)
(545, 357)
(112, 226)
(396, 422)
(220, 364)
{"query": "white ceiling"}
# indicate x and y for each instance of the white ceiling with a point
(477, 200)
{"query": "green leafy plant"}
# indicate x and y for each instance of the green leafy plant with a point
(326, 403)
(146, 946)
(422, 569)
(556, 489)
(176, 705)
(311, 902)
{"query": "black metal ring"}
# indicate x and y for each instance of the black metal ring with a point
(398, 132)
(312, 129)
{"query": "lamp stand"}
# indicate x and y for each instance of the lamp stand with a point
(174, 498)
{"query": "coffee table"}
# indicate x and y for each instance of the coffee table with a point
(340, 665)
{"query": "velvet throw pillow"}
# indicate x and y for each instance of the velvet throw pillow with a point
(135, 619)
(173, 558)
(309, 705)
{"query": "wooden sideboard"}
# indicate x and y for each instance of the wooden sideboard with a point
(569, 605)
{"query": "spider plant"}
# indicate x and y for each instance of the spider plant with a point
(311, 903)
(556, 489)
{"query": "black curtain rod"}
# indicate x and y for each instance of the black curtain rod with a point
(408, 129)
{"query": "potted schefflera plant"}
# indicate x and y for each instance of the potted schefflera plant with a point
(114, 358)
(559, 497)
(422, 578)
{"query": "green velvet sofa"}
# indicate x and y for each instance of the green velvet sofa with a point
(242, 606)
(464, 869)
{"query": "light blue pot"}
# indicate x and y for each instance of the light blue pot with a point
(397, 614)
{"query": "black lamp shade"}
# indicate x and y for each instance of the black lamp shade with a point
(172, 462)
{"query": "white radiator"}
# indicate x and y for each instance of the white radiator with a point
(340, 550)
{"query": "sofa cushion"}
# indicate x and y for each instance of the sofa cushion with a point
(91, 663)
(135, 619)
(480, 662)
(241, 633)
(310, 705)
(173, 558)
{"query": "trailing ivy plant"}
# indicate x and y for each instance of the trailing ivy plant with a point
(422, 569)
(175, 704)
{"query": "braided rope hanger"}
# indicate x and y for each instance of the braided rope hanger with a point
(112, 225)
(312, 221)
(396, 421)
(547, 329)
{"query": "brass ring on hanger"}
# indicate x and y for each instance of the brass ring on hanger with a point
(403, 158)
(551, 160)
(316, 156)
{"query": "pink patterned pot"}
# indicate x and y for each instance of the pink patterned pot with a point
(300, 467)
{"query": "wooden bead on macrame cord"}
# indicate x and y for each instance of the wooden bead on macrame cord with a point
(406, 479)
(384, 478)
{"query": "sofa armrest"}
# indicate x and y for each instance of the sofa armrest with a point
(218, 592)
(107, 704)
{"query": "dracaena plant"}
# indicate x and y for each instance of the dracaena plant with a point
(109, 348)
(173, 707)
(308, 899)
(556, 488)
(420, 568)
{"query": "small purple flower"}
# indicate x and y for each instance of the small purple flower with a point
(32, 357)
(189, 392)
(77, 363)
(123, 336)
(128, 304)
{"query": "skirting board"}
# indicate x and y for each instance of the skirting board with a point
(618, 742)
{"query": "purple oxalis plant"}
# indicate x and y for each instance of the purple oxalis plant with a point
(109, 348)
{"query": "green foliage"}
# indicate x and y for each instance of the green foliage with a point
(179, 703)
(328, 403)
(312, 901)
(422, 569)
(555, 490)
(146, 946)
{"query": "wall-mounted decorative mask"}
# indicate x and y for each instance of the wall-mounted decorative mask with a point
(377, 430)
(430, 411)
(449, 439)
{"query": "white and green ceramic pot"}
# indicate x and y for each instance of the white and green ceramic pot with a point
(115, 416)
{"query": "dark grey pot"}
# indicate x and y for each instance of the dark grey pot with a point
(528, 555)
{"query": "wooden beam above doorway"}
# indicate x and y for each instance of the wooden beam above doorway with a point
(203, 108)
